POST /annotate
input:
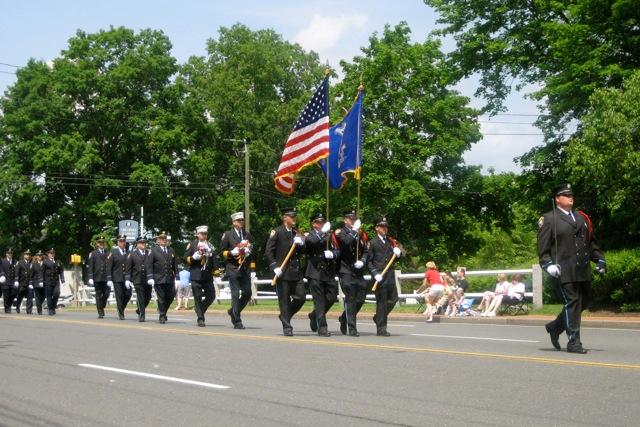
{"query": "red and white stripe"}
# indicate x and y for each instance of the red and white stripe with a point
(304, 146)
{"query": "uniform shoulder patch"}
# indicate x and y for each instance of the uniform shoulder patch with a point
(188, 246)
(540, 222)
(338, 231)
(306, 234)
(90, 253)
(273, 233)
(109, 256)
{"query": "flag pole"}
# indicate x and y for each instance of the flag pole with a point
(327, 72)
(359, 174)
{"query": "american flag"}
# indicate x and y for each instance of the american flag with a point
(309, 141)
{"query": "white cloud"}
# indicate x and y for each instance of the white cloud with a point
(324, 32)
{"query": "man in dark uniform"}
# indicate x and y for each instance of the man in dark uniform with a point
(53, 274)
(353, 257)
(566, 245)
(37, 280)
(136, 276)
(97, 275)
(381, 249)
(23, 277)
(202, 262)
(236, 247)
(8, 280)
(289, 284)
(322, 253)
(161, 274)
(116, 272)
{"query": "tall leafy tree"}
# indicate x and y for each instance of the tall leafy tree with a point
(90, 138)
(416, 129)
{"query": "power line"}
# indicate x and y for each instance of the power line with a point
(10, 65)
(7, 72)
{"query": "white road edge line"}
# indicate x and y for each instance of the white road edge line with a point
(153, 376)
(472, 338)
(390, 324)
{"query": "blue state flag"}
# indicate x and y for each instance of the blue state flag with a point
(345, 147)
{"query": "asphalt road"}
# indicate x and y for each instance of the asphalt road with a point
(73, 369)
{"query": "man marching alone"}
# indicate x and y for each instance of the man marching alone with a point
(566, 245)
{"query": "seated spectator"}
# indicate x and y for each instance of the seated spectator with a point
(431, 289)
(461, 278)
(450, 298)
(513, 295)
(501, 287)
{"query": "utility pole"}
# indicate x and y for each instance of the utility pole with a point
(247, 215)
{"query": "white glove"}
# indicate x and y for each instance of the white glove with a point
(326, 227)
(90, 282)
(378, 278)
(235, 251)
(40, 285)
(217, 280)
(553, 271)
(151, 282)
(253, 275)
(247, 251)
(3, 279)
(328, 254)
(30, 286)
(358, 264)
(397, 251)
(16, 284)
(127, 283)
(357, 225)
(277, 271)
(110, 284)
(196, 256)
(298, 241)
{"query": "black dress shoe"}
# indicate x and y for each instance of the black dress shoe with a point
(383, 333)
(323, 332)
(312, 322)
(554, 336)
(120, 316)
(287, 332)
(7, 310)
(101, 316)
(29, 312)
(201, 323)
(137, 311)
(18, 310)
(141, 318)
(577, 349)
(162, 321)
(238, 325)
(354, 333)
(343, 325)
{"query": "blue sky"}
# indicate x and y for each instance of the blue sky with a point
(335, 29)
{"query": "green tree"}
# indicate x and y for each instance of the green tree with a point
(89, 139)
(416, 129)
(604, 162)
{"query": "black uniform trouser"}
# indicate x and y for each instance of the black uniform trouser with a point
(25, 292)
(52, 293)
(9, 294)
(165, 293)
(123, 296)
(40, 296)
(239, 283)
(203, 295)
(325, 294)
(102, 295)
(386, 299)
(143, 296)
(291, 298)
(355, 293)
(576, 297)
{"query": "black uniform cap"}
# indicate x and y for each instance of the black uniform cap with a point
(100, 239)
(317, 217)
(289, 211)
(563, 190)
(51, 251)
(382, 221)
(27, 252)
(122, 237)
(141, 239)
(350, 213)
(8, 251)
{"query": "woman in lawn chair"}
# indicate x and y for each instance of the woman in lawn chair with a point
(514, 295)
